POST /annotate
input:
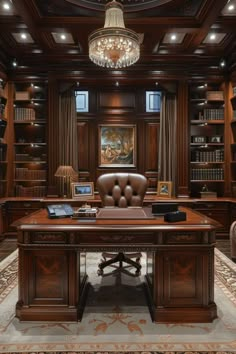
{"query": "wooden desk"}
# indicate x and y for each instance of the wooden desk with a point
(180, 263)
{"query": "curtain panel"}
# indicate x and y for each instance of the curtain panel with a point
(167, 143)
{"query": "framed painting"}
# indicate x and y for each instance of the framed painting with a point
(117, 145)
(164, 189)
(82, 190)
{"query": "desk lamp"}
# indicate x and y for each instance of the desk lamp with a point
(65, 172)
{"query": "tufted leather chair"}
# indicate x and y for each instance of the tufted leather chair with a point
(121, 190)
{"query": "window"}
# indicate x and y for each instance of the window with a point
(153, 101)
(82, 101)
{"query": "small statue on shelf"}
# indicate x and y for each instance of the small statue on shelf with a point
(204, 188)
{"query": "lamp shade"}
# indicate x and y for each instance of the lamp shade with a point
(65, 171)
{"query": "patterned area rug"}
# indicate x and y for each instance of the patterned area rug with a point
(117, 320)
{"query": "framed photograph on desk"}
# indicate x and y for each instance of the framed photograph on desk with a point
(164, 189)
(82, 190)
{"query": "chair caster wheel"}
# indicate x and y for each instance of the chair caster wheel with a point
(100, 272)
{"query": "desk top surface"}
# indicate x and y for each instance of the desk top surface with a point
(117, 218)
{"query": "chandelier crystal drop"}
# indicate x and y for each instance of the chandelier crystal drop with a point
(114, 46)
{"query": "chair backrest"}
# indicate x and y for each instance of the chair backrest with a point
(122, 189)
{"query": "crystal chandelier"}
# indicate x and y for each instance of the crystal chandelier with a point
(114, 46)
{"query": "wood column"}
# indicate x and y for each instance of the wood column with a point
(10, 135)
(182, 140)
(228, 93)
(54, 140)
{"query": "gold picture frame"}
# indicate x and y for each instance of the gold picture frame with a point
(117, 145)
(164, 189)
(82, 190)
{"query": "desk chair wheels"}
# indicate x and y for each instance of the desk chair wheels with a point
(120, 257)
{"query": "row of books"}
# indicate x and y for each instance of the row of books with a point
(2, 153)
(2, 190)
(207, 174)
(211, 114)
(36, 191)
(27, 157)
(208, 156)
(2, 174)
(22, 113)
(26, 174)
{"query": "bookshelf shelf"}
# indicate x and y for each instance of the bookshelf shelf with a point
(30, 159)
(206, 180)
(207, 146)
(3, 143)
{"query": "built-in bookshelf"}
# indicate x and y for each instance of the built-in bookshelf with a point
(233, 141)
(30, 146)
(3, 143)
(207, 145)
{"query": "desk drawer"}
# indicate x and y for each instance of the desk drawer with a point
(207, 205)
(186, 238)
(112, 238)
(24, 205)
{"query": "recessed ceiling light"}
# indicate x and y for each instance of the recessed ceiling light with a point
(63, 36)
(212, 37)
(117, 83)
(231, 7)
(23, 35)
(6, 6)
(222, 63)
(14, 63)
(173, 37)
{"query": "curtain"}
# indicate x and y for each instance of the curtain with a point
(68, 149)
(167, 142)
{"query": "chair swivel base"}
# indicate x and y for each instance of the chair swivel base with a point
(120, 257)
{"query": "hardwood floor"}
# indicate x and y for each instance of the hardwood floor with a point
(7, 246)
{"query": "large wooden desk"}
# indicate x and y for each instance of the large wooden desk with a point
(180, 263)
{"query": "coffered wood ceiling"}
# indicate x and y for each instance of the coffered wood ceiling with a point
(192, 21)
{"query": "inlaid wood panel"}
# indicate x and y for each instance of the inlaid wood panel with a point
(49, 277)
(184, 273)
(151, 144)
(119, 102)
(83, 146)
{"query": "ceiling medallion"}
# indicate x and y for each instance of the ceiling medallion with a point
(114, 46)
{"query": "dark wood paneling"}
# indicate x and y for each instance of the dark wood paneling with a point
(119, 102)
(182, 136)
(83, 146)
(152, 138)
